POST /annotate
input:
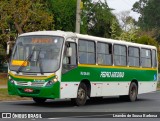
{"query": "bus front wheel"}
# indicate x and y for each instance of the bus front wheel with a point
(81, 95)
(39, 100)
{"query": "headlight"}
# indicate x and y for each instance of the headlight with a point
(12, 81)
(49, 83)
(55, 79)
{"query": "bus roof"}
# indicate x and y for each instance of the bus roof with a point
(88, 37)
(53, 33)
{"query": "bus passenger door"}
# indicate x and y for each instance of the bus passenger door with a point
(69, 85)
(69, 57)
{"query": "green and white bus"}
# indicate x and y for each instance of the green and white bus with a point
(65, 65)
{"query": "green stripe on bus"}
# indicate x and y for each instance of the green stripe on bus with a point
(108, 74)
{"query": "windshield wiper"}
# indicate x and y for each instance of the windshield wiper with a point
(27, 59)
(40, 62)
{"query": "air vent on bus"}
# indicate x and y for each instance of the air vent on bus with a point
(35, 84)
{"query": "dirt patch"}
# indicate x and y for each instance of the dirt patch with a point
(3, 79)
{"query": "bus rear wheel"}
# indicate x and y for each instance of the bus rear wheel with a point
(132, 94)
(133, 91)
(81, 95)
(39, 100)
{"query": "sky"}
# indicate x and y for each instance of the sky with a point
(122, 5)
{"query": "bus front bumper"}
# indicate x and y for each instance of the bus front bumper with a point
(50, 92)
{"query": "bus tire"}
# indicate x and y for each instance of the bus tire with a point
(39, 100)
(133, 92)
(81, 95)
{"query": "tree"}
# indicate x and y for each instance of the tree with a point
(147, 40)
(149, 14)
(114, 27)
(64, 14)
(149, 20)
(96, 17)
(26, 15)
(18, 16)
(125, 20)
(129, 29)
(99, 20)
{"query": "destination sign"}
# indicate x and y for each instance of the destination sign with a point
(42, 40)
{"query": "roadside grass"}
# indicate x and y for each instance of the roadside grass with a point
(158, 86)
(4, 96)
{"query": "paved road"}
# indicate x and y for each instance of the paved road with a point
(146, 103)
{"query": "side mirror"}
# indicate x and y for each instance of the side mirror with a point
(8, 48)
(69, 52)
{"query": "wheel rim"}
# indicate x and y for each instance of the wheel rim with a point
(81, 94)
(133, 92)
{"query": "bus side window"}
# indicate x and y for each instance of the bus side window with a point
(154, 59)
(120, 55)
(146, 58)
(69, 62)
(104, 53)
(87, 52)
(133, 56)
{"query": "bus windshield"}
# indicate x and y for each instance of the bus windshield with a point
(37, 54)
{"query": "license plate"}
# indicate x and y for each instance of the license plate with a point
(28, 90)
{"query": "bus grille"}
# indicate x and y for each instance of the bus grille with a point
(35, 84)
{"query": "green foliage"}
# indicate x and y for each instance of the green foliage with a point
(131, 31)
(64, 14)
(149, 14)
(139, 5)
(146, 40)
(98, 20)
(25, 15)
(149, 19)
(18, 16)
(4, 18)
(101, 21)
(115, 29)
(43, 20)
(128, 36)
